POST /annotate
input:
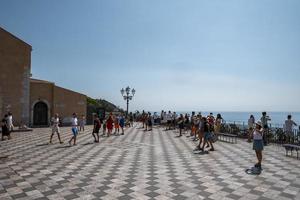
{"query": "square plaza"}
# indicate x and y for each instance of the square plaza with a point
(140, 165)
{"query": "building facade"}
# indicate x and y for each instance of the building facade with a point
(15, 68)
(46, 99)
(32, 102)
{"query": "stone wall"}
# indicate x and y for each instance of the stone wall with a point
(15, 66)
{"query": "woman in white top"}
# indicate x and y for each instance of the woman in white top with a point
(74, 129)
(258, 144)
(55, 128)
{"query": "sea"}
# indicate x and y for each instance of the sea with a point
(277, 118)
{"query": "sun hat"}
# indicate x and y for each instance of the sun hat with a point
(259, 123)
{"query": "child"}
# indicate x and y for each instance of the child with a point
(258, 144)
(74, 129)
(55, 128)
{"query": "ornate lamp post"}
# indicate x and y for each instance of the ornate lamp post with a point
(127, 96)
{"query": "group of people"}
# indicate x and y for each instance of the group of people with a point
(111, 123)
(7, 126)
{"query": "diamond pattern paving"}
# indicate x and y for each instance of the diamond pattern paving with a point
(140, 165)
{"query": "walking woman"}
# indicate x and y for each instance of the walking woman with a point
(258, 144)
(109, 124)
(207, 135)
(181, 124)
(55, 128)
(74, 129)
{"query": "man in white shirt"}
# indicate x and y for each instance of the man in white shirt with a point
(288, 127)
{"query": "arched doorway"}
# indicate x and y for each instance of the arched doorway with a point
(40, 114)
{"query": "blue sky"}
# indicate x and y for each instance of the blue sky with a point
(234, 55)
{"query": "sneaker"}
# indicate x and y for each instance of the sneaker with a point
(61, 142)
(212, 149)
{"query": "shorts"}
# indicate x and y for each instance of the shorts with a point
(207, 136)
(169, 121)
(96, 130)
(55, 130)
(74, 131)
(258, 145)
(181, 126)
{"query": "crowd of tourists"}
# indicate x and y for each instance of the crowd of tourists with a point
(205, 129)
(111, 125)
(202, 129)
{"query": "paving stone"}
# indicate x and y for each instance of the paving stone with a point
(140, 165)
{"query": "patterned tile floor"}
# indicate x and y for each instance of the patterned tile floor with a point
(140, 165)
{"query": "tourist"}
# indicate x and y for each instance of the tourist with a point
(196, 126)
(186, 122)
(258, 144)
(169, 120)
(264, 120)
(288, 127)
(211, 121)
(109, 124)
(180, 124)
(143, 118)
(201, 132)
(207, 135)
(218, 123)
(10, 122)
(117, 126)
(55, 128)
(122, 123)
(104, 127)
(96, 129)
(150, 123)
(192, 123)
(82, 123)
(174, 117)
(251, 122)
(74, 129)
(131, 118)
(162, 117)
(5, 128)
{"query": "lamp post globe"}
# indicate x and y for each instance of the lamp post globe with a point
(127, 96)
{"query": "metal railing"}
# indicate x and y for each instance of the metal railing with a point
(276, 133)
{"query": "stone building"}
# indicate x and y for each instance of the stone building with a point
(46, 99)
(31, 101)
